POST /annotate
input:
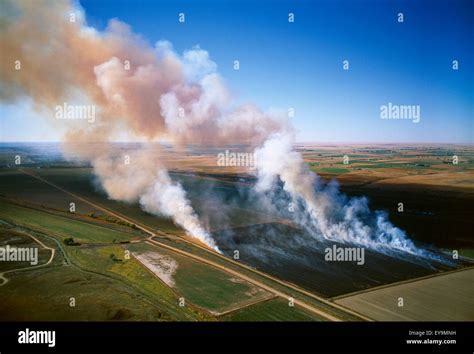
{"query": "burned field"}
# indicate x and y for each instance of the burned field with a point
(434, 218)
(291, 254)
(273, 244)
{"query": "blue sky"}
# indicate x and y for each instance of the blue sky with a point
(299, 64)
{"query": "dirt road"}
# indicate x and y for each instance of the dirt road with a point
(53, 251)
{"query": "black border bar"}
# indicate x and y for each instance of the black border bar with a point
(260, 337)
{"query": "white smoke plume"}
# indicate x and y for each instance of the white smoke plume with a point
(145, 180)
(165, 197)
(154, 93)
(327, 214)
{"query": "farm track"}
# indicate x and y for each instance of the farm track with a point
(53, 252)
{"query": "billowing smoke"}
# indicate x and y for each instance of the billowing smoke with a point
(321, 209)
(154, 93)
(165, 197)
(127, 178)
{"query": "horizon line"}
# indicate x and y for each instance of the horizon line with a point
(295, 143)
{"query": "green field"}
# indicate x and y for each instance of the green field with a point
(61, 226)
(335, 170)
(467, 252)
(205, 286)
(48, 289)
(272, 310)
(17, 239)
(80, 181)
(201, 285)
(18, 185)
(93, 257)
(44, 295)
(130, 271)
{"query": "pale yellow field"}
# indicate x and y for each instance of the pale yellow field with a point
(448, 297)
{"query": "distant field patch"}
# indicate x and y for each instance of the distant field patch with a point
(335, 170)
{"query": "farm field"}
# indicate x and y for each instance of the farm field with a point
(53, 289)
(81, 181)
(17, 239)
(204, 286)
(303, 168)
(18, 185)
(93, 255)
(62, 226)
(303, 262)
(111, 261)
(446, 297)
(271, 310)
